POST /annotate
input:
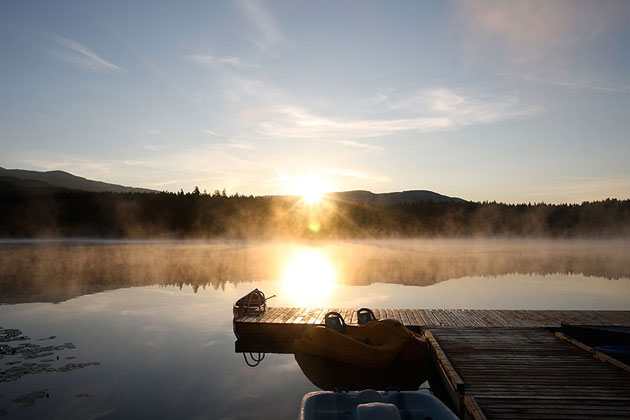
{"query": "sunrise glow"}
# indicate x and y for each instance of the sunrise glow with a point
(309, 277)
(310, 188)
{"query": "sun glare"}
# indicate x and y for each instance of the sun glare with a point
(311, 188)
(312, 197)
(309, 277)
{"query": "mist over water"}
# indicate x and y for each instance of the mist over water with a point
(54, 271)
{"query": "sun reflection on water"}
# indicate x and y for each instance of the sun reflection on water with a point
(309, 277)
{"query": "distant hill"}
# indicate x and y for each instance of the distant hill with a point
(388, 199)
(11, 182)
(33, 180)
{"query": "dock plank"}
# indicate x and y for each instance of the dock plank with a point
(430, 320)
(319, 320)
(460, 318)
(288, 315)
(299, 317)
(442, 321)
(275, 317)
(389, 314)
(461, 315)
(353, 316)
(312, 316)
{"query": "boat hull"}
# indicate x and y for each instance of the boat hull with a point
(375, 345)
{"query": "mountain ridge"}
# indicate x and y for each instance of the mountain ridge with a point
(391, 198)
(65, 180)
(56, 181)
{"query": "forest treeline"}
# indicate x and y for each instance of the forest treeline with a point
(25, 214)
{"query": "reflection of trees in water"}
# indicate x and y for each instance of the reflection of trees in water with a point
(55, 273)
(429, 262)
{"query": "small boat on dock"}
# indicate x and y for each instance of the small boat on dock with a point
(252, 304)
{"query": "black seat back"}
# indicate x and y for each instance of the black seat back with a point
(365, 315)
(334, 321)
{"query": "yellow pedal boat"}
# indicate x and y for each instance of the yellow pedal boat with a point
(375, 344)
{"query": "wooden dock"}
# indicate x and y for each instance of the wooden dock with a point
(505, 373)
(424, 318)
(495, 364)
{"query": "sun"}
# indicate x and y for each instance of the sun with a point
(311, 188)
(312, 196)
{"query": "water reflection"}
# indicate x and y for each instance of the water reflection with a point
(309, 277)
(331, 375)
(158, 347)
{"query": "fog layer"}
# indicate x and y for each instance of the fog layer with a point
(56, 271)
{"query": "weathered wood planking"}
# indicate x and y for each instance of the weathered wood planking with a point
(447, 317)
(527, 373)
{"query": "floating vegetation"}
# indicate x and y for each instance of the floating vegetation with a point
(74, 366)
(82, 395)
(15, 373)
(52, 337)
(33, 351)
(27, 353)
(30, 399)
(11, 334)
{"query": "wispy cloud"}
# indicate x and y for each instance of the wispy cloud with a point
(160, 73)
(575, 85)
(262, 19)
(153, 147)
(359, 145)
(300, 123)
(213, 61)
(460, 109)
(349, 173)
(80, 55)
(233, 144)
(538, 40)
(263, 47)
(528, 27)
(271, 113)
(425, 111)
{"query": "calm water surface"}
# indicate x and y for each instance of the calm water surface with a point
(157, 316)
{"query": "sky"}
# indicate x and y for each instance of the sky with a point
(513, 101)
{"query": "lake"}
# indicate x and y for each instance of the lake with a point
(143, 329)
